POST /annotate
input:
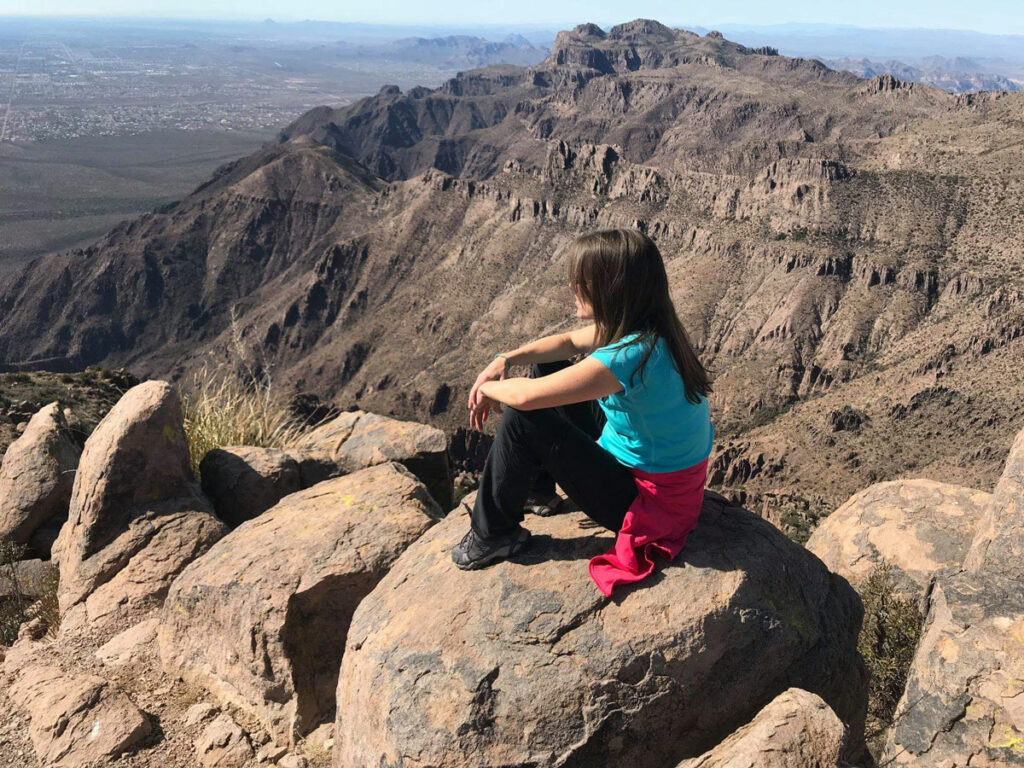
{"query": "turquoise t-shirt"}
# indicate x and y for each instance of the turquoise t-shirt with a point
(651, 425)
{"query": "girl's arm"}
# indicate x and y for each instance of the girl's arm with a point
(586, 380)
(557, 346)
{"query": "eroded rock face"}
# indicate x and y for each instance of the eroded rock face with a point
(77, 721)
(136, 516)
(244, 481)
(261, 618)
(796, 730)
(526, 663)
(36, 475)
(919, 526)
(964, 700)
(999, 545)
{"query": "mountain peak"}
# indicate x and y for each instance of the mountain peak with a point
(641, 28)
(588, 30)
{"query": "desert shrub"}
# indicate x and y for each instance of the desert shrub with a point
(223, 409)
(887, 642)
(14, 607)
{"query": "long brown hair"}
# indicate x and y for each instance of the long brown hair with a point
(621, 274)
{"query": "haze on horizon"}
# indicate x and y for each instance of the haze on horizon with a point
(989, 16)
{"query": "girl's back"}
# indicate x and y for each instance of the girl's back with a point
(651, 425)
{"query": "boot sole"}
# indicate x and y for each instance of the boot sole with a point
(500, 554)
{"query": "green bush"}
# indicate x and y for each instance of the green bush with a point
(888, 640)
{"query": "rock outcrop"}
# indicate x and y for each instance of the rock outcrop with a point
(36, 475)
(77, 721)
(964, 699)
(917, 526)
(261, 618)
(244, 481)
(356, 439)
(136, 517)
(999, 544)
(526, 663)
(796, 730)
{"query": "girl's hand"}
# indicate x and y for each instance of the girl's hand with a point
(478, 413)
(496, 370)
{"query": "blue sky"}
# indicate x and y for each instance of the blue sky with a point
(994, 16)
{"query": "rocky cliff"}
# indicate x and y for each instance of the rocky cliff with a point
(845, 252)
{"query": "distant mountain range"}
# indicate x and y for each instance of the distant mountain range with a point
(455, 51)
(958, 75)
(846, 253)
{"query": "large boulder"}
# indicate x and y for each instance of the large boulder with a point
(261, 618)
(964, 699)
(36, 475)
(796, 730)
(356, 439)
(137, 516)
(244, 481)
(526, 663)
(917, 526)
(77, 721)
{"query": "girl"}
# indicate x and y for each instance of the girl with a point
(644, 476)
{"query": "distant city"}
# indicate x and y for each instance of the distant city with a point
(62, 79)
(71, 79)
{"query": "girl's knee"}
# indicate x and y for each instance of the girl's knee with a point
(536, 420)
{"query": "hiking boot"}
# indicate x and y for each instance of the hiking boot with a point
(476, 552)
(543, 506)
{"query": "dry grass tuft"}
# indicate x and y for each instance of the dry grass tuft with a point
(221, 409)
(46, 608)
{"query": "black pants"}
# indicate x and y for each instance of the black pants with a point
(536, 449)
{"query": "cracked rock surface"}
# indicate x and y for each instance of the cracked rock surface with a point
(964, 700)
(918, 526)
(79, 720)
